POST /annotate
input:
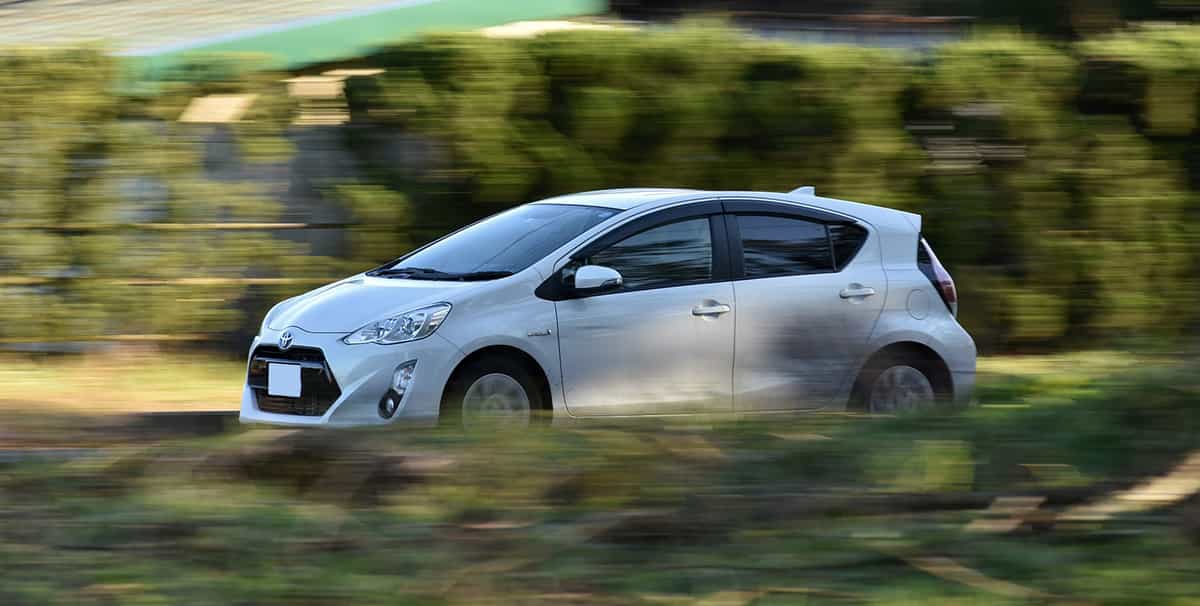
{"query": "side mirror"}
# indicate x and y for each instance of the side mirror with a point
(596, 279)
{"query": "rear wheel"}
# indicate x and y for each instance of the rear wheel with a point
(900, 388)
(492, 392)
(896, 384)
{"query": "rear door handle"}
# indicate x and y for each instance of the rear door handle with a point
(711, 310)
(859, 291)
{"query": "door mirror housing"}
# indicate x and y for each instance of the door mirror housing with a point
(591, 279)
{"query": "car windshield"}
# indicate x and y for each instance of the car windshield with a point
(498, 246)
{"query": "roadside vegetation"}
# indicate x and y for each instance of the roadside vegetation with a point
(150, 379)
(1044, 169)
(1037, 495)
(120, 381)
(1058, 181)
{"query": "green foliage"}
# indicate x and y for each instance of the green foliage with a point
(1053, 178)
(568, 112)
(1082, 218)
(261, 131)
(83, 167)
(1161, 69)
(820, 509)
(1057, 224)
(382, 223)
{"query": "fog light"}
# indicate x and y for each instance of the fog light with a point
(389, 405)
(401, 379)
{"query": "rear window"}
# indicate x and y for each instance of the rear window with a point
(783, 246)
(929, 265)
(924, 261)
(847, 240)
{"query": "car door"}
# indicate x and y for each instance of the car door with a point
(805, 315)
(662, 343)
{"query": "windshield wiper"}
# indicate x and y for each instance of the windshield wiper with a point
(425, 273)
(482, 275)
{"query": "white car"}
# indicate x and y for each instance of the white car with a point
(624, 303)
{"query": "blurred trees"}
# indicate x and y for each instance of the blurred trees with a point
(1077, 217)
(105, 217)
(1058, 181)
(1053, 178)
(1058, 18)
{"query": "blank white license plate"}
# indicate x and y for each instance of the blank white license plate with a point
(283, 380)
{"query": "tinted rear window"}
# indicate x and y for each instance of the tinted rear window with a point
(847, 241)
(783, 246)
(924, 261)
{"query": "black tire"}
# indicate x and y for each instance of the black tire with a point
(860, 398)
(451, 410)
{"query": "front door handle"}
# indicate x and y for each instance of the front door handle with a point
(711, 310)
(856, 291)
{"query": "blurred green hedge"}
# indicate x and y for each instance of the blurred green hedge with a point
(103, 204)
(1058, 181)
(1054, 178)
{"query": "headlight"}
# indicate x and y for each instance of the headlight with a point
(416, 324)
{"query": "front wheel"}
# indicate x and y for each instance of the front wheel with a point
(492, 392)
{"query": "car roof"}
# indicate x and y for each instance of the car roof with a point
(619, 199)
(647, 198)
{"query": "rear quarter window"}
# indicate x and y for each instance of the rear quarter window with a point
(847, 240)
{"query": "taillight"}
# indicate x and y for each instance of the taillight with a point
(933, 269)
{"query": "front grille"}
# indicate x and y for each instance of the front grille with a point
(318, 389)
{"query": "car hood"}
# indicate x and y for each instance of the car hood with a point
(346, 306)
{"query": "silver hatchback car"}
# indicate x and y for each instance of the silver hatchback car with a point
(624, 303)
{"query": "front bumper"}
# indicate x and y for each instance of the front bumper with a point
(363, 375)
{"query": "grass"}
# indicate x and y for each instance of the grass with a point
(121, 382)
(812, 510)
(147, 381)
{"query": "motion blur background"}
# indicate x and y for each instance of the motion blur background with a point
(205, 160)
(171, 168)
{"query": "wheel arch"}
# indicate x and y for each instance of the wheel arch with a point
(930, 362)
(513, 353)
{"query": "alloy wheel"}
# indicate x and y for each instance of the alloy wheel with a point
(901, 389)
(496, 400)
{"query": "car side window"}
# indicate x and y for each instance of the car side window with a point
(667, 255)
(783, 246)
(847, 240)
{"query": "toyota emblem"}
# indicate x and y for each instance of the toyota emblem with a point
(285, 340)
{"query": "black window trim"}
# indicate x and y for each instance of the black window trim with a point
(751, 206)
(742, 206)
(553, 289)
(728, 261)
